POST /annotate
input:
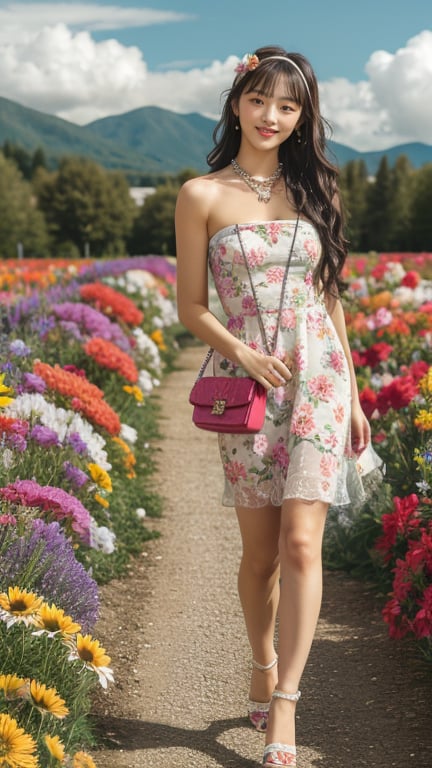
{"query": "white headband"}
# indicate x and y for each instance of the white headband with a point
(250, 61)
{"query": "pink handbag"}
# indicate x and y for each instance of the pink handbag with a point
(228, 404)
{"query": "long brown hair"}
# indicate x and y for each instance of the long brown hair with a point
(308, 173)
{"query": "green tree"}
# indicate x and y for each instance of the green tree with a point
(153, 230)
(379, 209)
(421, 219)
(86, 206)
(401, 204)
(354, 187)
(22, 226)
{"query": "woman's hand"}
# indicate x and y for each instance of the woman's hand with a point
(360, 429)
(266, 369)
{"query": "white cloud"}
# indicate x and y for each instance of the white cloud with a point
(62, 70)
(25, 18)
(393, 107)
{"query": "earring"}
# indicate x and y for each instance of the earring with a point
(237, 126)
(299, 136)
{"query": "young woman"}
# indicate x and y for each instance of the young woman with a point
(271, 202)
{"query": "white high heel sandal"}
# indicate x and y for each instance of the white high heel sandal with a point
(258, 710)
(277, 753)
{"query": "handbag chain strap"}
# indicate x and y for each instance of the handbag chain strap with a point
(270, 348)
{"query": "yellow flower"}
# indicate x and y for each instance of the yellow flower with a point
(13, 687)
(53, 621)
(100, 499)
(94, 657)
(424, 420)
(55, 747)
(425, 383)
(47, 700)
(5, 392)
(157, 337)
(16, 746)
(83, 760)
(18, 605)
(129, 459)
(135, 391)
(100, 477)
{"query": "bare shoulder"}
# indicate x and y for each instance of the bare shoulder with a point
(200, 191)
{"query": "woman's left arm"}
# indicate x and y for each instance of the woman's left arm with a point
(360, 429)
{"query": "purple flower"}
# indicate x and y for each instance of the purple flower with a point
(42, 325)
(77, 443)
(19, 348)
(44, 436)
(75, 475)
(72, 329)
(33, 383)
(18, 442)
(58, 576)
(81, 317)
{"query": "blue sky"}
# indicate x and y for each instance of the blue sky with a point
(337, 36)
(87, 60)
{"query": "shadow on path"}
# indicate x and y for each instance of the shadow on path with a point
(129, 735)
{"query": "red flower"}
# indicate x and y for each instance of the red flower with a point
(417, 370)
(402, 521)
(378, 353)
(398, 394)
(422, 623)
(368, 401)
(411, 279)
(398, 622)
(358, 358)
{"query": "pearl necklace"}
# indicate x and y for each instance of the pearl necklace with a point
(263, 187)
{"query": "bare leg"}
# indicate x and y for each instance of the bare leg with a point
(300, 544)
(258, 585)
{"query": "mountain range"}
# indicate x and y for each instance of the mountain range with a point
(150, 140)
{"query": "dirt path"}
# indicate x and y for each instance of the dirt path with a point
(175, 632)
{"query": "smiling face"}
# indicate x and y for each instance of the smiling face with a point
(267, 119)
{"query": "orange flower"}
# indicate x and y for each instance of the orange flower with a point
(67, 383)
(99, 412)
(108, 355)
(112, 303)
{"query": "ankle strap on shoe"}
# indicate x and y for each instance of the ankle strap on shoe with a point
(264, 667)
(288, 696)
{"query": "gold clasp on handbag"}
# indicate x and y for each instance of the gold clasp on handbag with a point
(218, 407)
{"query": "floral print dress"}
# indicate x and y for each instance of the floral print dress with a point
(303, 449)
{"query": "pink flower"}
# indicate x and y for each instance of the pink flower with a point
(321, 387)
(226, 287)
(249, 306)
(328, 465)
(280, 455)
(274, 275)
(288, 319)
(256, 257)
(249, 62)
(302, 422)
(298, 357)
(339, 413)
(234, 470)
(274, 231)
(337, 361)
(260, 445)
(235, 323)
(309, 279)
(311, 248)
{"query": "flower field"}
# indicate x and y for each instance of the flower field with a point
(82, 347)
(389, 319)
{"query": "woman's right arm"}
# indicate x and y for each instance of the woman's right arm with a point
(193, 202)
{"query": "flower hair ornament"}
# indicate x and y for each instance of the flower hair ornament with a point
(250, 61)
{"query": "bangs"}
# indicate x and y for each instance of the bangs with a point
(267, 76)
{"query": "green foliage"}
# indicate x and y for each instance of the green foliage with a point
(421, 220)
(87, 206)
(20, 221)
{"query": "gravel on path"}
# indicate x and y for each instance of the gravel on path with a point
(174, 629)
